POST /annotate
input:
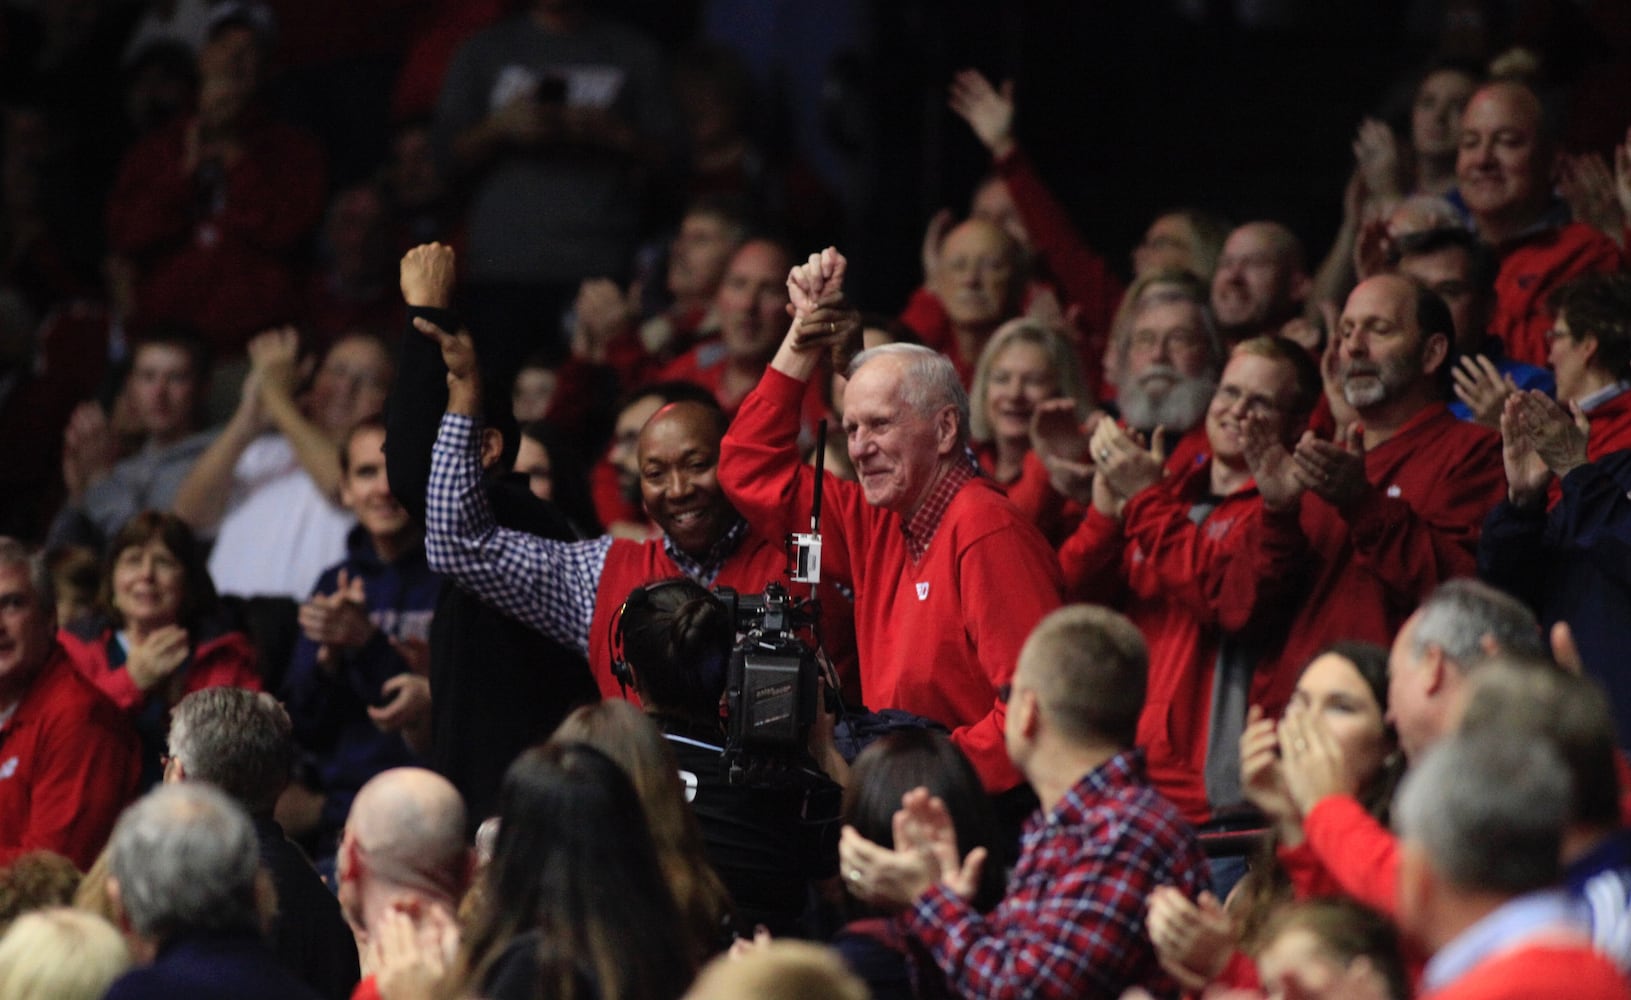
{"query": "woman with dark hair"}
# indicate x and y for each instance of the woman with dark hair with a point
(623, 733)
(158, 636)
(890, 962)
(573, 905)
(556, 472)
(1345, 688)
(766, 840)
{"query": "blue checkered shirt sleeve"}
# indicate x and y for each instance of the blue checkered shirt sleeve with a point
(547, 584)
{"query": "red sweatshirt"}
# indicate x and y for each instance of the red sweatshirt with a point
(1542, 970)
(1185, 585)
(936, 637)
(1431, 485)
(755, 563)
(69, 762)
(230, 271)
(1531, 268)
(225, 661)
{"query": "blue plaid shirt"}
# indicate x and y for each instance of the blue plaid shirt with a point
(547, 584)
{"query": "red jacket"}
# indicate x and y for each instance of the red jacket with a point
(229, 273)
(69, 763)
(1531, 268)
(1542, 970)
(937, 637)
(1082, 275)
(755, 563)
(225, 661)
(1186, 586)
(1431, 485)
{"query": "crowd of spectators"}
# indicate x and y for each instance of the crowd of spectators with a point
(394, 504)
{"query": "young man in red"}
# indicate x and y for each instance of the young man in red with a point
(1177, 554)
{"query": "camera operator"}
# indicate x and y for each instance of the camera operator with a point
(766, 841)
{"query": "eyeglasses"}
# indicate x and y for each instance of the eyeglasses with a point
(1260, 406)
(1172, 340)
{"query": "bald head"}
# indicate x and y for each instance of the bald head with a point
(980, 275)
(409, 824)
(1504, 163)
(1261, 280)
(697, 421)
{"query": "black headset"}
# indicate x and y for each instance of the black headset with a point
(638, 598)
(711, 670)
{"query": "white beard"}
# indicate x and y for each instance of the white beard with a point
(1178, 409)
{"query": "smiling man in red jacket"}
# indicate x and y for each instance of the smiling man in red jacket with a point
(69, 760)
(1179, 555)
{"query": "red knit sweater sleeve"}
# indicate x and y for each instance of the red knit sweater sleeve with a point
(1358, 852)
(761, 472)
(1082, 273)
(1091, 560)
(1413, 550)
(1030, 590)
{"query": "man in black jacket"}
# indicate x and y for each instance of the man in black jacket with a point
(497, 686)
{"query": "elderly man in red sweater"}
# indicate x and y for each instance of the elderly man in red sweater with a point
(949, 576)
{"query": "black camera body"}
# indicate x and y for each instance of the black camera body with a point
(772, 683)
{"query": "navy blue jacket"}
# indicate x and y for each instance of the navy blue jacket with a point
(1573, 564)
(330, 711)
(214, 965)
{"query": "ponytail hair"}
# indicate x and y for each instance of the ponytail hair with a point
(678, 637)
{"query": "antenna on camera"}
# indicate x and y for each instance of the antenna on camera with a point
(804, 550)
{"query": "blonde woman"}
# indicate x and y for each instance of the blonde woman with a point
(60, 954)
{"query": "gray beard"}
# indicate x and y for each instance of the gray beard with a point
(1359, 397)
(1178, 409)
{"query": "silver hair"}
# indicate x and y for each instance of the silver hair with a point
(14, 553)
(928, 380)
(1489, 811)
(185, 857)
(239, 741)
(1459, 614)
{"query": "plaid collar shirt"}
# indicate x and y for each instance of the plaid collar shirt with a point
(705, 569)
(1072, 923)
(919, 529)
